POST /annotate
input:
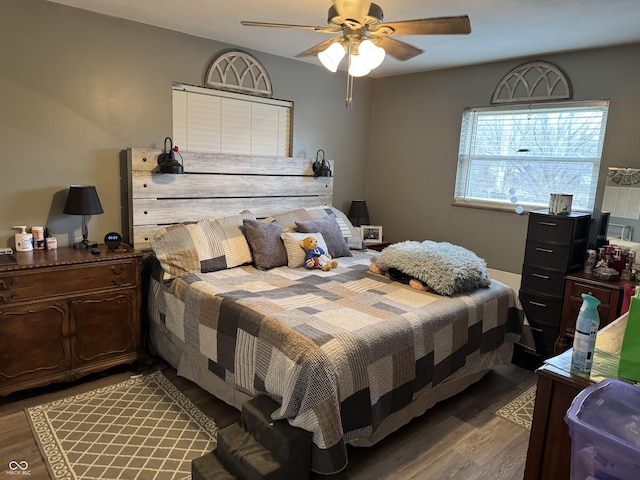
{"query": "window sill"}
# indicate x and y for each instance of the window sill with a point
(495, 207)
(506, 208)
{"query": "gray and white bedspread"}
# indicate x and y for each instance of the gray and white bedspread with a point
(339, 350)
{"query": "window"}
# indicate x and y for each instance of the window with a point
(512, 155)
(207, 120)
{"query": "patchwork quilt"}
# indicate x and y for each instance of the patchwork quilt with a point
(339, 350)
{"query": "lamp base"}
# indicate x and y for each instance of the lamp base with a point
(85, 245)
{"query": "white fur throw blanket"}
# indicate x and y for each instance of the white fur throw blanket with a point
(443, 267)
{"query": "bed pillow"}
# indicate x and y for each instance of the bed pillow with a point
(180, 249)
(351, 234)
(227, 244)
(266, 243)
(295, 253)
(330, 230)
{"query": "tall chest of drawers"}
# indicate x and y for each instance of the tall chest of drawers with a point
(556, 246)
(65, 313)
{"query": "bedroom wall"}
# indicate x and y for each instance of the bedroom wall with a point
(76, 88)
(414, 147)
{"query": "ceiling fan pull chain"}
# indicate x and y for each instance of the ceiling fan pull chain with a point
(349, 100)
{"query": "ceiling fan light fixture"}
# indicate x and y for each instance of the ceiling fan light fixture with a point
(371, 54)
(332, 56)
(357, 67)
(361, 29)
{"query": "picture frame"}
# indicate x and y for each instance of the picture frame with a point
(371, 233)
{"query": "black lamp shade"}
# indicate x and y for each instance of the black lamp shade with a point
(83, 200)
(358, 213)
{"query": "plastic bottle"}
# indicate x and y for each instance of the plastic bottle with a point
(584, 340)
(24, 240)
(38, 238)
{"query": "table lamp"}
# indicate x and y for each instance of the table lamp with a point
(358, 213)
(83, 200)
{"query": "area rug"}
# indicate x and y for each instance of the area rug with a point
(143, 428)
(520, 409)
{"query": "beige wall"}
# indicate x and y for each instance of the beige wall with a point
(76, 88)
(414, 146)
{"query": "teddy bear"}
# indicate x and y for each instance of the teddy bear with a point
(315, 256)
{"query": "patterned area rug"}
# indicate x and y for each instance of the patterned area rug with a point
(143, 428)
(520, 409)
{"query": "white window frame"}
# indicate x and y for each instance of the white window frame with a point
(463, 194)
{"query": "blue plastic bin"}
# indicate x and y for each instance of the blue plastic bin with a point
(604, 425)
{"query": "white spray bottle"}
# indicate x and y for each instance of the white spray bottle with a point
(24, 240)
(584, 339)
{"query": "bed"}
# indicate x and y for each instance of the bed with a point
(350, 355)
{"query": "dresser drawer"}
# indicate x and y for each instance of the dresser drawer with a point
(547, 255)
(541, 310)
(542, 280)
(41, 283)
(543, 315)
(602, 294)
(556, 229)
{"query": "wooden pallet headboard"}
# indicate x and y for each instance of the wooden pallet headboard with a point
(215, 185)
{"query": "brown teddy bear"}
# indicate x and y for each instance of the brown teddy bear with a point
(315, 256)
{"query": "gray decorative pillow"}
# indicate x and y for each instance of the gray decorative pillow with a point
(331, 233)
(351, 234)
(265, 242)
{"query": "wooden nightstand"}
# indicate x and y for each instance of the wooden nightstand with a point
(66, 313)
(610, 294)
(378, 247)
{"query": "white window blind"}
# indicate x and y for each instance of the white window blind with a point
(520, 155)
(206, 120)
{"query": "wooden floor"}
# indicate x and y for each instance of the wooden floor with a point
(460, 438)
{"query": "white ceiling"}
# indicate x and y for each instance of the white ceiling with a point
(500, 29)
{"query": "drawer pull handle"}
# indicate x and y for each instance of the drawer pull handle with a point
(537, 275)
(118, 271)
(538, 304)
(118, 282)
(14, 282)
(544, 250)
(548, 224)
(4, 299)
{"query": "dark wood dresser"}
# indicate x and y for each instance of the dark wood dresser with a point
(549, 453)
(609, 292)
(556, 245)
(65, 313)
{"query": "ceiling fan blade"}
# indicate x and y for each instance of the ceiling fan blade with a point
(329, 29)
(427, 26)
(310, 52)
(353, 9)
(397, 49)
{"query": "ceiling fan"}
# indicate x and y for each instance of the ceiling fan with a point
(365, 39)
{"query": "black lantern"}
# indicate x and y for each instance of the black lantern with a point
(321, 168)
(167, 159)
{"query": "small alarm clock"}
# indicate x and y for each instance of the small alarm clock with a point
(113, 240)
